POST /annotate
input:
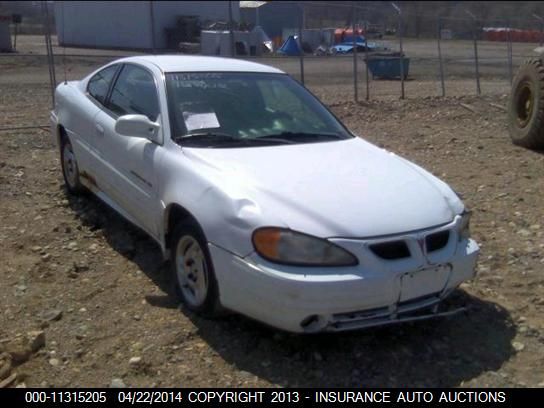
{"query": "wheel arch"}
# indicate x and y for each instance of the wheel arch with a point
(60, 135)
(173, 215)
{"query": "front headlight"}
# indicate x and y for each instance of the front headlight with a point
(294, 248)
(464, 225)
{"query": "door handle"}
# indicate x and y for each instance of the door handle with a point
(99, 129)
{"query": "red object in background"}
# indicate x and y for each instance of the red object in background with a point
(516, 35)
(340, 34)
(495, 35)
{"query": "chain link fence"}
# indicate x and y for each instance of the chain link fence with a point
(454, 55)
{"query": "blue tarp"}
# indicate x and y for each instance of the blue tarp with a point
(290, 47)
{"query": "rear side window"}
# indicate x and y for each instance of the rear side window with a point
(99, 84)
(134, 92)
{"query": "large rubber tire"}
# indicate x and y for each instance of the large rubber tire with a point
(192, 271)
(526, 106)
(70, 169)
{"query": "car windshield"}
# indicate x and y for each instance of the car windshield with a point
(246, 109)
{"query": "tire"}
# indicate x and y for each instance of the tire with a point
(192, 271)
(70, 170)
(526, 106)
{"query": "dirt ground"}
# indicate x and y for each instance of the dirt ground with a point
(95, 286)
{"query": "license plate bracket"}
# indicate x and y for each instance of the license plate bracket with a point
(424, 282)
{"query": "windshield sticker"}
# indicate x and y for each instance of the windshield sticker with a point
(196, 76)
(206, 120)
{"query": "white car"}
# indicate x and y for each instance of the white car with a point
(264, 202)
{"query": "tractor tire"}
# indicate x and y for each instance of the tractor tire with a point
(526, 105)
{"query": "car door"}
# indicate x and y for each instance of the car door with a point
(80, 127)
(127, 164)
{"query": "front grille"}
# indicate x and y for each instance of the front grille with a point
(437, 241)
(391, 250)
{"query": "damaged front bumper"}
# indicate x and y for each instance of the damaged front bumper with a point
(339, 299)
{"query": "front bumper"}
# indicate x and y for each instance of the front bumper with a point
(338, 299)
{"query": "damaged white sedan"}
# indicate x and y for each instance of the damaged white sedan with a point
(264, 202)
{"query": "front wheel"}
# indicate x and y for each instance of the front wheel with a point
(70, 170)
(192, 270)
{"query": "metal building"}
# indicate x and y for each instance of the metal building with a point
(130, 24)
(272, 16)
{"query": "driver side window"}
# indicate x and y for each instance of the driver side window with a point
(100, 83)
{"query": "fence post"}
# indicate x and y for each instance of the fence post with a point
(541, 20)
(50, 57)
(366, 63)
(509, 33)
(401, 57)
(152, 17)
(300, 28)
(440, 58)
(475, 42)
(231, 32)
(15, 37)
(355, 90)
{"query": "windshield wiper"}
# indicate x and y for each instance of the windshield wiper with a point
(294, 137)
(205, 136)
(212, 138)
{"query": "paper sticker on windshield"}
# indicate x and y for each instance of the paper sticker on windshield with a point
(206, 120)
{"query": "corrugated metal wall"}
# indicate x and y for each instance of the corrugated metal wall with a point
(120, 24)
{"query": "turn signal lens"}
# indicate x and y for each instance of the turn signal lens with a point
(266, 241)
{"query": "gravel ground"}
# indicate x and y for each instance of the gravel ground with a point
(84, 300)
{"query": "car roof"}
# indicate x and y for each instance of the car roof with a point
(197, 63)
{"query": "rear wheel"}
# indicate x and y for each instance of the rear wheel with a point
(192, 270)
(526, 106)
(70, 170)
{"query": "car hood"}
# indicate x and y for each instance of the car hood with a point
(347, 188)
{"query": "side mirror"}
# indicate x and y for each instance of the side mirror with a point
(138, 126)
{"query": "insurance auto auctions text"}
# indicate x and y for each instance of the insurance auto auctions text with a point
(349, 396)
